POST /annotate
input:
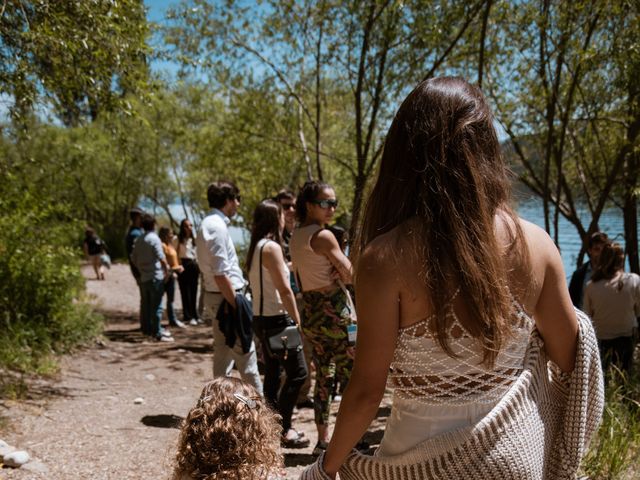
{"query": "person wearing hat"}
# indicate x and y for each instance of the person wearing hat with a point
(135, 230)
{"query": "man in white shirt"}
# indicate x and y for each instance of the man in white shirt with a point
(223, 280)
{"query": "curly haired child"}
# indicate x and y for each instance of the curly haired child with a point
(230, 434)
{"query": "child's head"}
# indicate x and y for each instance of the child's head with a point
(230, 433)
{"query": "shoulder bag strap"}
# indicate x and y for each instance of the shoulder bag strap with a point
(350, 304)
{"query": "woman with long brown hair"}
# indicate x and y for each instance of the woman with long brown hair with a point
(274, 309)
(188, 278)
(612, 299)
(449, 288)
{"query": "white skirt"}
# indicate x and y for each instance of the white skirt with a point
(412, 422)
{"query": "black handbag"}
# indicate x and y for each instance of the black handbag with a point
(278, 341)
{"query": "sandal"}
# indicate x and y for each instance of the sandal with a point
(295, 442)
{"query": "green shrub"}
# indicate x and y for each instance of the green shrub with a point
(615, 450)
(41, 308)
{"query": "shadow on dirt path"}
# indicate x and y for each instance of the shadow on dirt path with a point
(114, 409)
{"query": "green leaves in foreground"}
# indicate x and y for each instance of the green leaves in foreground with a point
(40, 309)
(615, 450)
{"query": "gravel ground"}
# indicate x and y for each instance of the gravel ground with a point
(83, 423)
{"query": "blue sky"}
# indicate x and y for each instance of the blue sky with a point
(156, 10)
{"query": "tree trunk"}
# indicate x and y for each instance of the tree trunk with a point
(630, 212)
(358, 198)
(630, 215)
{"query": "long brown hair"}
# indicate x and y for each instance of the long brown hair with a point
(266, 224)
(610, 262)
(442, 166)
(185, 233)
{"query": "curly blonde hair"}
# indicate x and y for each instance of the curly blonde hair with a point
(230, 434)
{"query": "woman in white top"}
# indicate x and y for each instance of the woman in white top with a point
(448, 280)
(274, 308)
(317, 262)
(188, 278)
(612, 299)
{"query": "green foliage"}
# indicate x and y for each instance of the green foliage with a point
(565, 90)
(615, 449)
(83, 57)
(42, 286)
(316, 83)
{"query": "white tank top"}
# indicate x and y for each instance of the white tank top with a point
(435, 393)
(272, 303)
(313, 270)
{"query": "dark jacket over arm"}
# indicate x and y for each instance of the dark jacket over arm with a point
(236, 323)
(577, 284)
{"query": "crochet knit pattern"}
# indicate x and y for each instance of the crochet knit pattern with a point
(540, 429)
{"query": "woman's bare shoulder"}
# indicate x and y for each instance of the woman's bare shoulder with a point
(387, 252)
(541, 246)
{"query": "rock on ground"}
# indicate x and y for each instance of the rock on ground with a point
(82, 423)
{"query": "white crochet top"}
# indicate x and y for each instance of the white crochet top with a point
(422, 371)
(540, 429)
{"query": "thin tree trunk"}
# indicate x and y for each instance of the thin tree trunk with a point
(483, 36)
(317, 99)
(358, 198)
(630, 213)
(303, 142)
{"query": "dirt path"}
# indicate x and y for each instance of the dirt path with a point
(83, 423)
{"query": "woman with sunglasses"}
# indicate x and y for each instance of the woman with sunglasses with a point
(274, 309)
(317, 261)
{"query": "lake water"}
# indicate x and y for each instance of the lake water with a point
(611, 222)
(530, 209)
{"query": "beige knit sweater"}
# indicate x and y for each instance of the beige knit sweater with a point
(540, 429)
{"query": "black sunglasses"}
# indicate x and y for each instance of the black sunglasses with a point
(288, 206)
(326, 203)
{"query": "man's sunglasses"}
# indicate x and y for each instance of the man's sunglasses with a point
(237, 197)
(288, 206)
(326, 203)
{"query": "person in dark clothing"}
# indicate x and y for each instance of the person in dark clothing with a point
(135, 230)
(274, 309)
(94, 248)
(287, 201)
(582, 275)
(188, 279)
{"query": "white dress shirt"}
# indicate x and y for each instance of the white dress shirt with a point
(216, 252)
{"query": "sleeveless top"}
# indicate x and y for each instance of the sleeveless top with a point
(313, 270)
(187, 249)
(172, 256)
(272, 303)
(436, 393)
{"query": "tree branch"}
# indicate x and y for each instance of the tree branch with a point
(463, 29)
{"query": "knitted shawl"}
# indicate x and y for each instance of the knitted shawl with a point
(540, 429)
